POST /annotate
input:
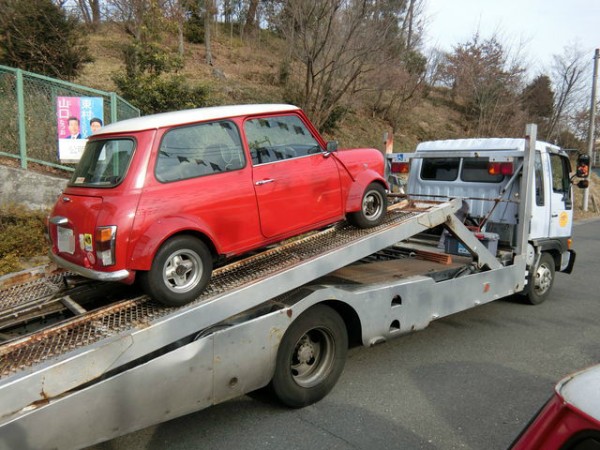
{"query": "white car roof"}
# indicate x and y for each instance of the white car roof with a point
(582, 390)
(481, 144)
(192, 115)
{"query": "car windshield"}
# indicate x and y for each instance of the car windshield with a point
(104, 163)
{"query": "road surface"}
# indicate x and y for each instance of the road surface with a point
(470, 381)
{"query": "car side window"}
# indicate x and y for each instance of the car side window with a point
(198, 150)
(273, 139)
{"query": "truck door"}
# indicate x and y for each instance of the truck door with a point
(541, 204)
(561, 200)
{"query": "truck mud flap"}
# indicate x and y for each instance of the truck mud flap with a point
(571, 264)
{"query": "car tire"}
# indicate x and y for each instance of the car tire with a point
(373, 207)
(540, 280)
(180, 271)
(310, 358)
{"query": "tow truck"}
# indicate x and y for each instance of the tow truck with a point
(85, 362)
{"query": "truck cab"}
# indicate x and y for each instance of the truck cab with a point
(486, 173)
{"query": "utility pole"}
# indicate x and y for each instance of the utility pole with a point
(591, 133)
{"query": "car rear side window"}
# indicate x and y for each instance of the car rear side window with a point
(274, 139)
(440, 169)
(475, 170)
(197, 150)
(104, 163)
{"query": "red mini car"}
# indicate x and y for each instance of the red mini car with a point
(571, 418)
(164, 196)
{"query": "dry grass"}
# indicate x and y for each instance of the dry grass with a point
(251, 71)
(593, 200)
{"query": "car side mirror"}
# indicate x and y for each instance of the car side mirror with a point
(332, 146)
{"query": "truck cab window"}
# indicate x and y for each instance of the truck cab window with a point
(440, 169)
(560, 173)
(539, 180)
(475, 170)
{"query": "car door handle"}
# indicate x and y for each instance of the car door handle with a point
(261, 182)
(554, 215)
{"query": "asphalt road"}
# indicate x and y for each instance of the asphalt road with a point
(470, 381)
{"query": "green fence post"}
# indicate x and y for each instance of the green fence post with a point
(21, 120)
(113, 108)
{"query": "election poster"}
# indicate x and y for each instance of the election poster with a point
(77, 118)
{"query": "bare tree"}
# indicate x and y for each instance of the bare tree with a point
(209, 11)
(338, 42)
(90, 12)
(175, 10)
(487, 83)
(250, 24)
(567, 74)
(131, 14)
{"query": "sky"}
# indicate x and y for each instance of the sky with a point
(543, 27)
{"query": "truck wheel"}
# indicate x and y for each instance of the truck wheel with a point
(540, 280)
(373, 208)
(311, 357)
(180, 271)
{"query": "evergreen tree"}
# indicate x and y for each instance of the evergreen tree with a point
(538, 102)
(38, 36)
(538, 98)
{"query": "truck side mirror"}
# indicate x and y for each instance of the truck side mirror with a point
(332, 146)
(583, 166)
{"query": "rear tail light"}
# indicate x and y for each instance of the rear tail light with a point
(498, 168)
(400, 167)
(105, 245)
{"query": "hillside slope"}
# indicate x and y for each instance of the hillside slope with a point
(247, 71)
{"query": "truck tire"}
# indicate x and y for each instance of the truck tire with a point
(180, 271)
(373, 207)
(540, 280)
(311, 357)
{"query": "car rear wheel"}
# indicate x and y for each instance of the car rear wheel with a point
(311, 357)
(180, 271)
(373, 207)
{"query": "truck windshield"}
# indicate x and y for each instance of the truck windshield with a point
(104, 163)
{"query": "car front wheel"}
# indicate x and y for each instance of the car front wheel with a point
(373, 207)
(180, 271)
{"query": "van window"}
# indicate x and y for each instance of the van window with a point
(475, 170)
(440, 169)
(103, 163)
(198, 150)
(274, 139)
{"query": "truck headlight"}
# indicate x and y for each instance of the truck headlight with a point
(105, 245)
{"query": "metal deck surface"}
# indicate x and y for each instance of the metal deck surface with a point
(139, 312)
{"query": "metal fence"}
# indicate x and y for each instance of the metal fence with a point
(28, 120)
